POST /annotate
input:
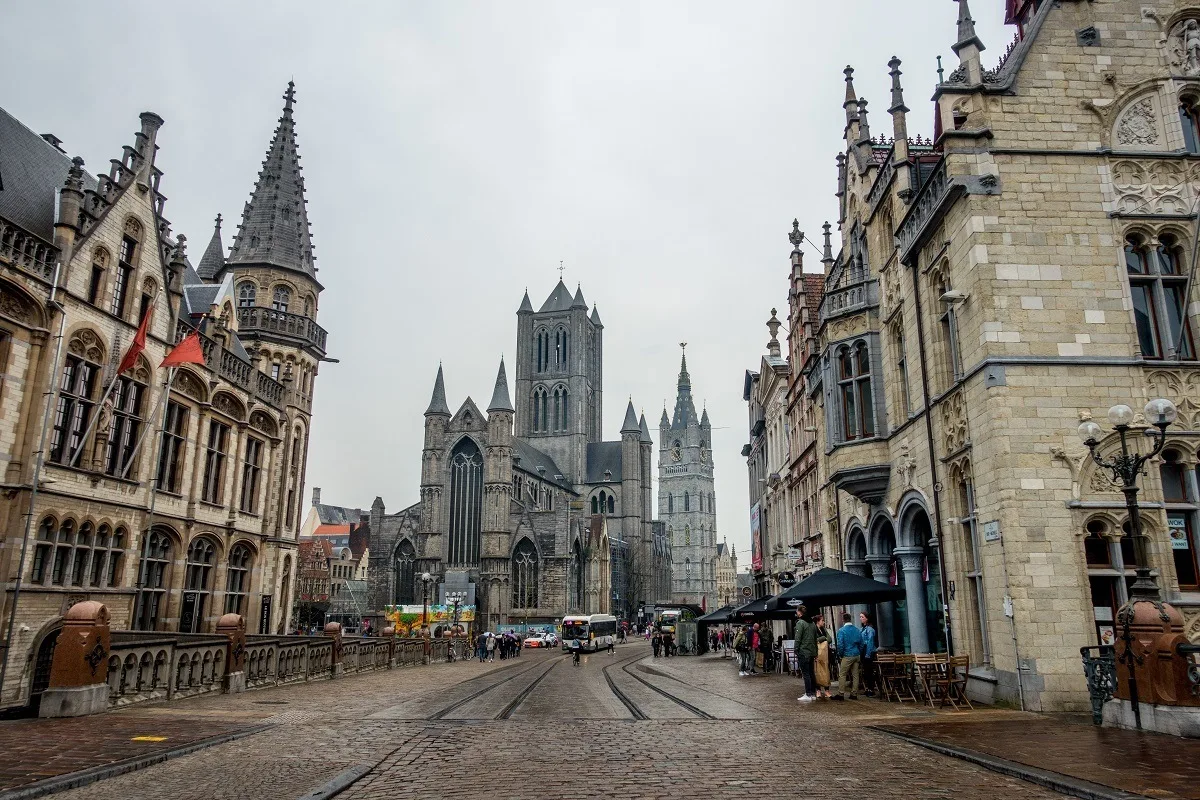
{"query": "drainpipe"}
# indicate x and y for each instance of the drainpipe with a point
(937, 502)
(1012, 624)
(51, 394)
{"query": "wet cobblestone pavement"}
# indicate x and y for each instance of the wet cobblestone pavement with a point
(620, 726)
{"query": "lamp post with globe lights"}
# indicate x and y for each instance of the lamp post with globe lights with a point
(426, 580)
(1125, 468)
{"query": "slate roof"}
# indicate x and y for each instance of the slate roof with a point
(500, 398)
(338, 515)
(526, 306)
(559, 300)
(31, 169)
(645, 437)
(213, 260)
(531, 458)
(437, 403)
(630, 425)
(601, 457)
(274, 228)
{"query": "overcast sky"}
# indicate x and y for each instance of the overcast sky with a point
(455, 152)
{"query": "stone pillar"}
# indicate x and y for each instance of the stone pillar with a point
(856, 567)
(881, 570)
(233, 627)
(389, 633)
(911, 561)
(334, 631)
(79, 673)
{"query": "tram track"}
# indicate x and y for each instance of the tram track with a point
(457, 704)
(633, 707)
(528, 690)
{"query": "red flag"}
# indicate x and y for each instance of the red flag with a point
(137, 345)
(186, 352)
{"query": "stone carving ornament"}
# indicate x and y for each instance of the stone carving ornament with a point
(1183, 44)
(187, 383)
(954, 423)
(228, 405)
(86, 344)
(1182, 387)
(263, 423)
(1139, 124)
(1154, 187)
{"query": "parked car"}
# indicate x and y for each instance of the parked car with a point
(536, 640)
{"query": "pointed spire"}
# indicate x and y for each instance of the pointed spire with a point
(851, 101)
(500, 398)
(630, 425)
(596, 317)
(437, 404)
(274, 229)
(645, 437)
(897, 91)
(704, 423)
(665, 422)
(213, 260)
(526, 306)
(579, 302)
(966, 30)
(864, 130)
(685, 380)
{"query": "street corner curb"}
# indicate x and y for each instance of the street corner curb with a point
(1056, 781)
(83, 777)
(337, 784)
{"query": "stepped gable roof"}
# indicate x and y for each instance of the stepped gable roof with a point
(275, 230)
(603, 457)
(31, 171)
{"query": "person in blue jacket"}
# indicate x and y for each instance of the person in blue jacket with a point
(849, 644)
(870, 675)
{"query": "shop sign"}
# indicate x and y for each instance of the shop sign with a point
(786, 579)
(1177, 529)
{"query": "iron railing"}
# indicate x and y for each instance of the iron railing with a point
(1100, 669)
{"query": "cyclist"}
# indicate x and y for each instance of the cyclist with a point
(576, 649)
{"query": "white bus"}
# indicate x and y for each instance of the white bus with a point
(594, 632)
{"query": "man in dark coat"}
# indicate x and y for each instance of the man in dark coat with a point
(806, 652)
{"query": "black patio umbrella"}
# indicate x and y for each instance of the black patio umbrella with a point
(833, 587)
(759, 610)
(718, 617)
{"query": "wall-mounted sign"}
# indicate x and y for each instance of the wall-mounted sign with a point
(747, 592)
(991, 531)
(786, 579)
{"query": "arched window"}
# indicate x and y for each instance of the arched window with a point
(687, 502)
(854, 391)
(100, 259)
(525, 575)
(126, 411)
(1158, 288)
(1183, 506)
(201, 555)
(541, 420)
(281, 298)
(687, 535)
(904, 401)
(612, 505)
(687, 568)
(1189, 116)
(406, 573)
(247, 293)
(76, 397)
(560, 408)
(972, 547)
(576, 576)
(237, 579)
(542, 349)
(285, 588)
(152, 580)
(126, 264)
(595, 506)
(309, 305)
(560, 348)
(466, 502)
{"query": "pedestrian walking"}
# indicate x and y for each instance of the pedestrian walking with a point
(849, 644)
(870, 672)
(491, 647)
(822, 667)
(656, 644)
(481, 647)
(806, 654)
(741, 646)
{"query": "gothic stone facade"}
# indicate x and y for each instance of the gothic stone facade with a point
(218, 535)
(1024, 272)
(687, 497)
(526, 501)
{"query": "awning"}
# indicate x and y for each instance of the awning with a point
(758, 610)
(718, 617)
(833, 587)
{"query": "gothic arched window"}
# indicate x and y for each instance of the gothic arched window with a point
(560, 348)
(281, 298)
(525, 575)
(595, 506)
(687, 502)
(541, 408)
(406, 573)
(577, 576)
(466, 502)
(247, 294)
(237, 579)
(201, 556)
(542, 349)
(560, 408)
(670, 504)
(153, 580)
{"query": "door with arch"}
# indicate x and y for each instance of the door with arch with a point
(42, 663)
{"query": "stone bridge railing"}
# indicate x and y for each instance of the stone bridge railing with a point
(102, 669)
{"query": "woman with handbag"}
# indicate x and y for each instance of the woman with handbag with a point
(826, 649)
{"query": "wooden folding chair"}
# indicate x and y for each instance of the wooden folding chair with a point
(885, 667)
(953, 685)
(929, 668)
(902, 678)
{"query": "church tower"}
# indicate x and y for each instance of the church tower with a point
(559, 378)
(687, 500)
(274, 276)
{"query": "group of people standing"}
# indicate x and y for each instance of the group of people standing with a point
(850, 650)
(663, 643)
(488, 645)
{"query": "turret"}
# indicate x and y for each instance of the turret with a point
(146, 147)
(969, 46)
(70, 202)
(899, 131)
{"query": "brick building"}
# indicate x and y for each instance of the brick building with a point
(1026, 269)
(168, 537)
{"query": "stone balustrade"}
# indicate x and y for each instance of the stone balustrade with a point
(120, 668)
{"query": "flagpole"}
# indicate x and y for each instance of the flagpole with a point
(92, 423)
(145, 430)
(153, 482)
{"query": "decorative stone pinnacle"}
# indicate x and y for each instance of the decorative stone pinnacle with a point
(796, 237)
(289, 97)
(966, 29)
(827, 253)
(181, 247)
(897, 90)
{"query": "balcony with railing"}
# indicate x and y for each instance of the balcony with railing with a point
(26, 251)
(253, 320)
(848, 300)
(233, 368)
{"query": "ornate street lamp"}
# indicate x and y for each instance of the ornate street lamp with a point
(426, 579)
(1125, 468)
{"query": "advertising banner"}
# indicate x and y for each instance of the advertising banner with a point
(756, 548)
(407, 618)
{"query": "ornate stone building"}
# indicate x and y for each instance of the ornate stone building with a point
(687, 499)
(726, 574)
(524, 502)
(168, 534)
(1028, 268)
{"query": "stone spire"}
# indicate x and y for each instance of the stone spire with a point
(274, 229)
(685, 380)
(645, 437)
(864, 130)
(526, 306)
(685, 407)
(437, 404)
(850, 104)
(213, 260)
(968, 47)
(500, 398)
(665, 422)
(630, 425)
(579, 302)
(704, 423)
(596, 317)
(827, 252)
(899, 129)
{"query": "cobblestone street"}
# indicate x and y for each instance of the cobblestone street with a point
(624, 725)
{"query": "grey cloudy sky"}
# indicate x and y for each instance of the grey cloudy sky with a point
(455, 152)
